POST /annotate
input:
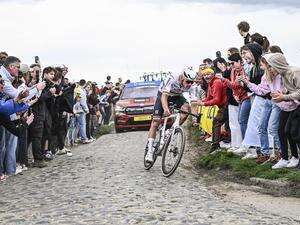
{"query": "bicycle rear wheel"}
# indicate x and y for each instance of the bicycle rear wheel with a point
(173, 152)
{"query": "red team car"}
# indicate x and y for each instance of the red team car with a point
(135, 107)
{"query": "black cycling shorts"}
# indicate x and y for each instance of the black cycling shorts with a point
(177, 101)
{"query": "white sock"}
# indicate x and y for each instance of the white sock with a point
(150, 144)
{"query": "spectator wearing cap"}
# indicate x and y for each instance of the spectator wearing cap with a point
(216, 95)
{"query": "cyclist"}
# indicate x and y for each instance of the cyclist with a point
(170, 91)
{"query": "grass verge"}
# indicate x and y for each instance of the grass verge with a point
(237, 168)
(246, 168)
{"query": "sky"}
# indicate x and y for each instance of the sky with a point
(125, 38)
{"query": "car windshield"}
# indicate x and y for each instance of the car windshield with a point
(140, 92)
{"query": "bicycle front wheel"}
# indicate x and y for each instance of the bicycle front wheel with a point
(173, 152)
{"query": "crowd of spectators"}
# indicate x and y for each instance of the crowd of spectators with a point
(255, 89)
(42, 113)
(257, 94)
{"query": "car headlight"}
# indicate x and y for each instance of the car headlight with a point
(119, 109)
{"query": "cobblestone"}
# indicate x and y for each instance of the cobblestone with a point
(105, 183)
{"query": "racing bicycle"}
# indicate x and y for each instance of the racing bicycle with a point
(169, 143)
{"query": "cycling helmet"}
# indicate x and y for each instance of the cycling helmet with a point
(189, 73)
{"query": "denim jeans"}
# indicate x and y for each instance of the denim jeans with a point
(270, 118)
(2, 148)
(8, 152)
(81, 119)
(244, 112)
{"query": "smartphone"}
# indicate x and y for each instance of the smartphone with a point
(29, 111)
(37, 59)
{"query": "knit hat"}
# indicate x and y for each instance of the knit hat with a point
(277, 61)
(235, 57)
(256, 51)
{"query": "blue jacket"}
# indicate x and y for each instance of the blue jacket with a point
(9, 107)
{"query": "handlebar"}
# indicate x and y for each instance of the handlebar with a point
(198, 116)
(188, 113)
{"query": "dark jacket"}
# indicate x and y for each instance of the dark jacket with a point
(247, 39)
(40, 109)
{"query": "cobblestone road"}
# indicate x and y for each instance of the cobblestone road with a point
(105, 183)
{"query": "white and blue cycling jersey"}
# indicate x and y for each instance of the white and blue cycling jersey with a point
(172, 86)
